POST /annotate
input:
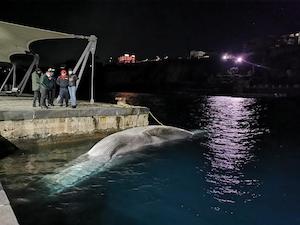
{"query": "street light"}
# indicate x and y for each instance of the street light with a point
(225, 57)
(236, 59)
(242, 59)
(239, 59)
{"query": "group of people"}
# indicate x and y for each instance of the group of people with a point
(44, 87)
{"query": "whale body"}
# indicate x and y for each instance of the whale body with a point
(100, 156)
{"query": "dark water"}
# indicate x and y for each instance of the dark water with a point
(245, 171)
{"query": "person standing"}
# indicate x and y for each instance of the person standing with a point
(63, 83)
(44, 88)
(35, 78)
(72, 87)
(52, 87)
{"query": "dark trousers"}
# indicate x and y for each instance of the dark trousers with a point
(64, 95)
(36, 96)
(51, 96)
(44, 95)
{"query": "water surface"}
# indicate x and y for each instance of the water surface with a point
(245, 171)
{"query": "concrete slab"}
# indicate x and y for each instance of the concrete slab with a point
(20, 122)
(20, 108)
(3, 198)
(7, 216)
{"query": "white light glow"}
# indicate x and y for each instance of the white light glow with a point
(239, 59)
(225, 57)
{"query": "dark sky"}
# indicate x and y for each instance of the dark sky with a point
(150, 27)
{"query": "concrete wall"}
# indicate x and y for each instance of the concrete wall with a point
(19, 130)
(20, 123)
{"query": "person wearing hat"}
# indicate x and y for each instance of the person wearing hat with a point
(52, 87)
(72, 87)
(35, 78)
(63, 83)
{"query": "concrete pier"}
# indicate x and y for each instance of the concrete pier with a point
(20, 122)
(7, 216)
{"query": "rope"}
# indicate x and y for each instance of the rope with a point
(150, 113)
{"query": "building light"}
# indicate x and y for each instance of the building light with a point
(126, 58)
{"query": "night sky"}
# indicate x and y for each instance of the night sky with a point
(148, 27)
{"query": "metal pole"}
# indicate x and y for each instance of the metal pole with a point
(28, 73)
(14, 75)
(7, 77)
(92, 101)
(93, 40)
(86, 50)
(82, 68)
(24, 78)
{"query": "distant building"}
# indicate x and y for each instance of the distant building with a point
(274, 42)
(198, 54)
(126, 58)
(291, 39)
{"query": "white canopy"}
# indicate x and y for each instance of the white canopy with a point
(16, 38)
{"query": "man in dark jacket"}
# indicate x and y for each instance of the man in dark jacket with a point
(35, 78)
(63, 83)
(52, 87)
(44, 88)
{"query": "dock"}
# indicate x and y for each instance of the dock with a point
(20, 122)
(7, 216)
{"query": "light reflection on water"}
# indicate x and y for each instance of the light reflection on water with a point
(230, 140)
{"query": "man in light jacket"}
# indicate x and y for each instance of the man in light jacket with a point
(72, 87)
(35, 78)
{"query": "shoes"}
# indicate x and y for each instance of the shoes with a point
(61, 105)
(74, 106)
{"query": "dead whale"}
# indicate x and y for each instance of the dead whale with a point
(100, 156)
